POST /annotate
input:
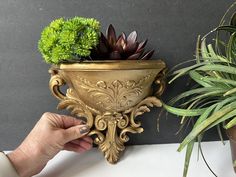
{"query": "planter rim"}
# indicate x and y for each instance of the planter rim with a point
(112, 65)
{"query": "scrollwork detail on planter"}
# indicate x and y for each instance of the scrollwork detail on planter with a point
(54, 84)
(77, 107)
(138, 110)
(107, 124)
(160, 81)
(115, 95)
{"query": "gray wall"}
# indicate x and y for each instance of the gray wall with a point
(170, 25)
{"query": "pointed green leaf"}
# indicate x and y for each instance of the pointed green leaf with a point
(183, 112)
(231, 123)
(206, 123)
(217, 67)
(188, 157)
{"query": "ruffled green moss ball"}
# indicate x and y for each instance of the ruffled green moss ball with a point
(69, 39)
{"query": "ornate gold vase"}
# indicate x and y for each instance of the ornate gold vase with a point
(109, 95)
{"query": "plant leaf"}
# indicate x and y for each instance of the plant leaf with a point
(191, 93)
(217, 67)
(183, 112)
(132, 37)
(188, 157)
(230, 92)
(204, 50)
(208, 122)
(185, 70)
(111, 35)
(191, 144)
(198, 78)
(231, 123)
(147, 55)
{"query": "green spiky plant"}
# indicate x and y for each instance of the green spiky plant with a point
(69, 39)
(212, 101)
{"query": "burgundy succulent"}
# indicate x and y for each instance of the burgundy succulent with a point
(121, 47)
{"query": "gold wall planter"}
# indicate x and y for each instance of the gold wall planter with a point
(109, 94)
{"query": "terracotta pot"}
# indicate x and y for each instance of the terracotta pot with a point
(109, 94)
(232, 138)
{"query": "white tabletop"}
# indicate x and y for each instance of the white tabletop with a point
(142, 161)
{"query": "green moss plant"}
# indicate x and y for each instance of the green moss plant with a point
(67, 40)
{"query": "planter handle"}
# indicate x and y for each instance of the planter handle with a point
(54, 84)
(160, 82)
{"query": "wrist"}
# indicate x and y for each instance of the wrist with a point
(20, 161)
(26, 161)
(6, 167)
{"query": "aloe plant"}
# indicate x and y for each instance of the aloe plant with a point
(212, 101)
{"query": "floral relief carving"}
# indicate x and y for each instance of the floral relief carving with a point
(114, 95)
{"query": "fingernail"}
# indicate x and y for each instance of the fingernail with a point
(84, 129)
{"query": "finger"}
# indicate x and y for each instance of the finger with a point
(74, 148)
(88, 139)
(69, 121)
(75, 141)
(75, 132)
(85, 138)
(61, 121)
(86, 145)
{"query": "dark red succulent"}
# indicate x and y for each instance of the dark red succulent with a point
(121, 47)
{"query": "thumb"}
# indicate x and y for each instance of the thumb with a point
(75, 132)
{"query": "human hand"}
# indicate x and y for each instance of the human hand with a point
(51, 134)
